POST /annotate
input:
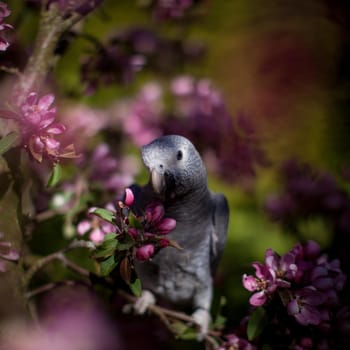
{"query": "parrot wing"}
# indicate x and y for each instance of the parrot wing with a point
(220, 225)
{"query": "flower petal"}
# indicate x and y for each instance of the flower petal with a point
(45, 102)
(250, 283)
(36, 148)
(97, 236)
(51, 144)
(258, 299)
(83, 227)
(31, 99)
(56, 129)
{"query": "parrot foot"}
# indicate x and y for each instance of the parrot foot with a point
(202, 319)
(146, 299)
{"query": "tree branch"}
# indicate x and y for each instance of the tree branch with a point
(59, 255)
(167, 315)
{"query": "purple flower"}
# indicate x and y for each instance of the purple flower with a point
(165, 226)
(142, 118)
(263, 284)
(303, 306)
(155, 221)
(4, 12)
(282, 269)
(145, 252)
(301, 273)
(234, 342)
(106, 171)
(171, 9)
(84, 123)
(154, 212)
(306, 192)
(230, 145)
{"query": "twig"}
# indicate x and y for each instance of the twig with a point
(11, 70)
(60, 255)
(47, 287)
(164, 314)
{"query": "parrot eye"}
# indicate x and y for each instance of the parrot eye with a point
(179, 155)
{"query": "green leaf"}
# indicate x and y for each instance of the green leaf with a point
(104, 214)
(109, 237)
(8, 141)
(108, 246)
(219, 320)
(134, 221)
(189, 334)
(105, 252)
(108, 265)
(256, 323)
(127, 243)
(179, 328)
(55, 176)
(136, 287)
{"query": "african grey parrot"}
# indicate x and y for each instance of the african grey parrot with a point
(183, 277)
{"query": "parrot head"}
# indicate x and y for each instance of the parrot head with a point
(175, 166)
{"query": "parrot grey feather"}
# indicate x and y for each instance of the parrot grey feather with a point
(178, 177)
(219, 235)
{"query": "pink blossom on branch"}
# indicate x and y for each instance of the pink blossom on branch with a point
(38, 129)
(145, 252)
(4, 12)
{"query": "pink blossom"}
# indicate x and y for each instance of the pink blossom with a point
(83, 227)
(36, 121)
(166, 225)
(94, 226)
(145, 252)
(132, 231)
(250, 283)
(4, 12)
(154, 212)
(129, 197)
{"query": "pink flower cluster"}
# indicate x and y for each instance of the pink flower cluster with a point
(146, 232)
(96, 227)
(38, 129)
(4, 12)
(155, 226)
(307, 283)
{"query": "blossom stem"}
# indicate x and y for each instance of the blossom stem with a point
(51, 27)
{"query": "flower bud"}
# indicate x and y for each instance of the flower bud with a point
(129, 197)
(154, 212)
(145, 252)
(133, 232)
(166, 225)
(164, 242)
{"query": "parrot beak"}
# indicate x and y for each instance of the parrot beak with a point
(157, 181)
